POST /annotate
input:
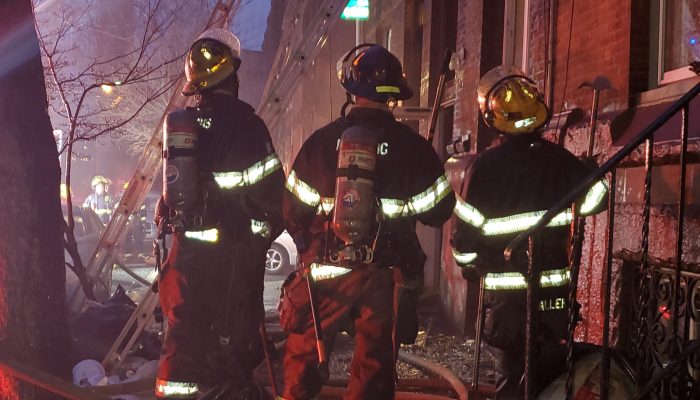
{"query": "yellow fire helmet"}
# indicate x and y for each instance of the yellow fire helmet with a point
(99, 179)
(213, 57)
(510, 103)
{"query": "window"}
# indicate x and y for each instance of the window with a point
(678, 38)
(516, 33)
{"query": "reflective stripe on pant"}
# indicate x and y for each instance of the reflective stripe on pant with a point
(194, 291)
(364, 298)
(176, 390)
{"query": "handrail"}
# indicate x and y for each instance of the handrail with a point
(48, 382)
(601, 171)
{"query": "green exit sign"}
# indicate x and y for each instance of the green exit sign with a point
(356, 10)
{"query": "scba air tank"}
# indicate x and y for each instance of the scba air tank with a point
(181, 189)
(354, 208)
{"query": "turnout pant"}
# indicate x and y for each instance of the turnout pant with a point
(504, 330)
(211, 294)
(363, 297)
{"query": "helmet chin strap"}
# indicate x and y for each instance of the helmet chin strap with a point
(228, 87)
(352, 100)
(348, 102)
(369, 103)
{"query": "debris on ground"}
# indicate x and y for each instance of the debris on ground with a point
(90, 373)
(437, 342)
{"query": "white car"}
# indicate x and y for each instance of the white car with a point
(282, 256)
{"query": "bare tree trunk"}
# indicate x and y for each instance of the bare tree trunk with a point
(32, 274)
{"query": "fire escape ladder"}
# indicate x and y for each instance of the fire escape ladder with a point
(655, 378)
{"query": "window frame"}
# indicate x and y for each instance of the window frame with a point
(510, 36)
(674, 75)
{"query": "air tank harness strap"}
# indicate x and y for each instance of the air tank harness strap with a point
(160, 251)
(183, 223)
(170, 152)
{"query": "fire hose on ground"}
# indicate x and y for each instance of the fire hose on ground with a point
(439, 370)
(447, 380)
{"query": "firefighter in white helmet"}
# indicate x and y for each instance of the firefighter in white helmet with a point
(99, 200)
(365, 160)
(508, 188)
(211, 284)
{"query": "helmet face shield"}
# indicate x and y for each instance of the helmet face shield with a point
(344, 67)
(510, 102)
(208, 63)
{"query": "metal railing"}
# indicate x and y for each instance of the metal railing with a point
(663, 294)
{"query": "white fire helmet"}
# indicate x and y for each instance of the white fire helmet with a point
(213, 57)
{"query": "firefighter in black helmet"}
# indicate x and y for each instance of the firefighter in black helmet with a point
(211, 284)
(358, 293)
(508, 188)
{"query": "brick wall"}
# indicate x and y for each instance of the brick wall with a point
(539, 22)
(600, 45)
(458, 298)
(469, 29)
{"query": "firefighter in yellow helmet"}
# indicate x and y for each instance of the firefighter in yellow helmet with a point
(100, 200)
(212, 281)
(510, 103)
(508, 188)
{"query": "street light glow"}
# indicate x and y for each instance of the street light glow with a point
(108, 89)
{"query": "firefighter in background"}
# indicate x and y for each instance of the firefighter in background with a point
(211, 284)
(508, 188)
(100, 201)
(358, 295)
(135, 234)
